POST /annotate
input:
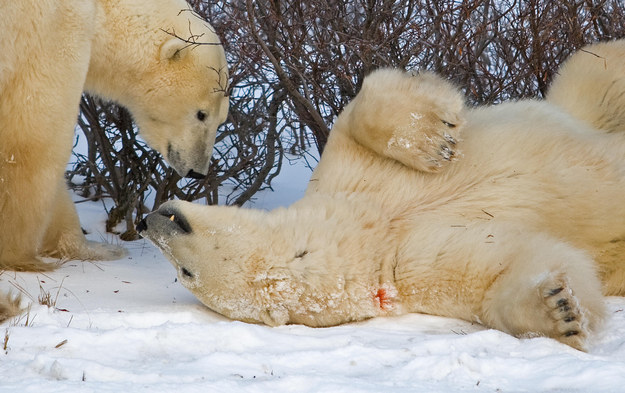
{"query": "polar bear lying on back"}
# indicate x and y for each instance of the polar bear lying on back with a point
(492, 215)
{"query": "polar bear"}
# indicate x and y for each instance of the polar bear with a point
(511, 216)
(140, 54)
(575, 89)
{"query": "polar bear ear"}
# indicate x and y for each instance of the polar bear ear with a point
(173, 49)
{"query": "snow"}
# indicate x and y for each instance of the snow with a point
(129, 326)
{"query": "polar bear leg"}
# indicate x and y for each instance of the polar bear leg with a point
(39, 96)
(413, 119)
(553, 292)
(502, 275)
(9, 306)
(611, 262)
(24, 214)
(590, 85)
(64, 237)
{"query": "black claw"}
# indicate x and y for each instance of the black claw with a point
(562, 302)
(570, 318)
(554, 292)
(565, 309)
(571, 333)
(446, 152)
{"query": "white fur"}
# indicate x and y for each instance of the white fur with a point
(50, 51)
(504, 235)
(575, 88)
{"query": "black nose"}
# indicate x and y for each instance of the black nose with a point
(142, 226)
(195, 175)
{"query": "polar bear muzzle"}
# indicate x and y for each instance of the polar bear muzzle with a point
(195, 175)
(167, 220)
(193, 164)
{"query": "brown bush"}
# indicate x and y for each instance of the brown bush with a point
(294, 66)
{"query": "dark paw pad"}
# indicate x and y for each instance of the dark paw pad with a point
(563, 308)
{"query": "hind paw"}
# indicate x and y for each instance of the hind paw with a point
(562, 306)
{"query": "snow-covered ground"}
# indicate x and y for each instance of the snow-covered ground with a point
(128, 326)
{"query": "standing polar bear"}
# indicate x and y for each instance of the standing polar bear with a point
(123, 50)
(510, 215)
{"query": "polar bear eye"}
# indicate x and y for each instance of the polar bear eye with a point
(186, 272)
(201, 115)
(448, 124)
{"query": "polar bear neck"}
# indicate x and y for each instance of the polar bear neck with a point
(120, 57)
(108, 56)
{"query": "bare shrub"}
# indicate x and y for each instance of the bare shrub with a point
(295, 65)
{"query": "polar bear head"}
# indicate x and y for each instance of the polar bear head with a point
(204, 243)
(168, 67)
(222, 254)
(186, 102)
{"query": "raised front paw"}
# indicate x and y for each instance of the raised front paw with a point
(413, 118)
(569, 324)
(425, 144)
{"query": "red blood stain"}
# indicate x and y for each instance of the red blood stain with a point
(382, 299)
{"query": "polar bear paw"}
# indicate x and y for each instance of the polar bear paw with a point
(570, 325)
(426, 143)
(102, 252)
(27, 264)
(429, 153)
(415, 119)
(78, 248)
(87, 250)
